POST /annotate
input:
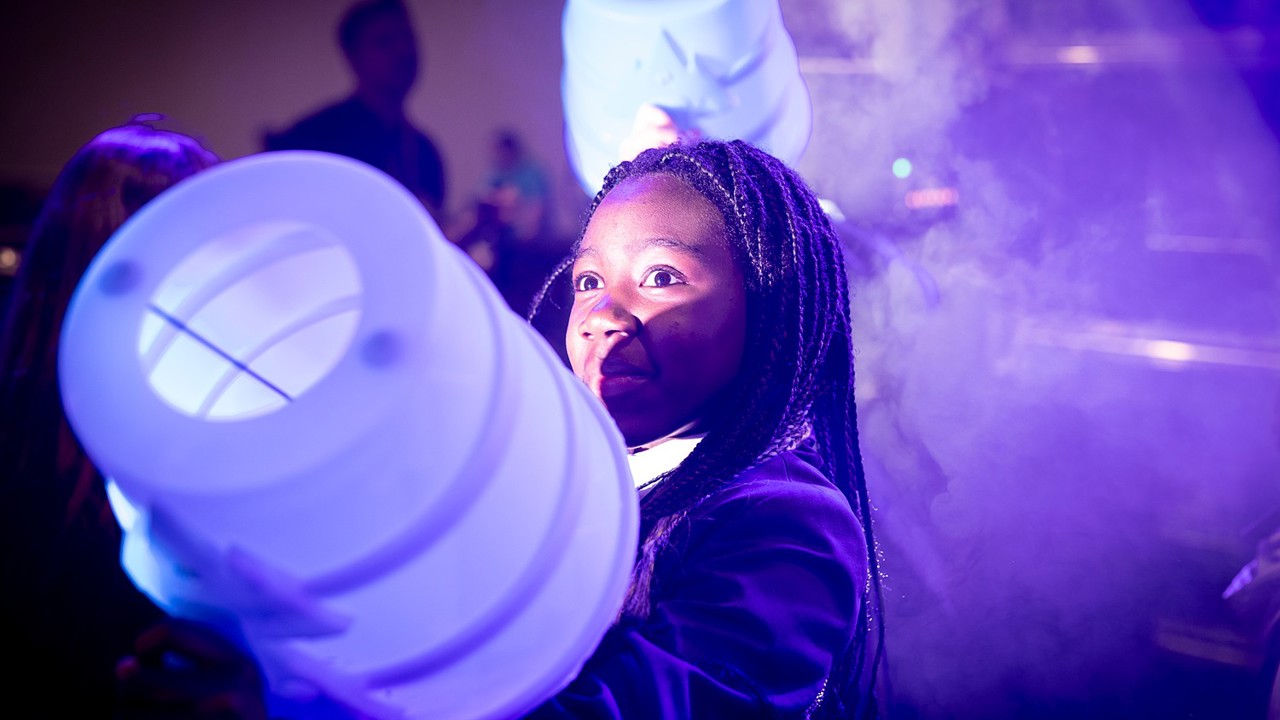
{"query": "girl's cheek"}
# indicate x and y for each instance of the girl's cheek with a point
(575, 358)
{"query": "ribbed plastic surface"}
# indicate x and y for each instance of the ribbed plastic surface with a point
(326, 431)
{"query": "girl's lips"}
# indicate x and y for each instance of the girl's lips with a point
(616, 367)
(614, 385)
(619, 376)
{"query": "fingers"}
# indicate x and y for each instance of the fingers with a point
(653, 127)
(184, 640)
(185, 670)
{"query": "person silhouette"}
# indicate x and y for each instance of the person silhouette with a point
(377, 40)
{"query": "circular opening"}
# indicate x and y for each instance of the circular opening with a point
(251, 320)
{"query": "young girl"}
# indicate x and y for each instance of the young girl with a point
(711, 317)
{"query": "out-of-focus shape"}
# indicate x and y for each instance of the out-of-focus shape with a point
(328, 435)
(653, 127)
(721, 68)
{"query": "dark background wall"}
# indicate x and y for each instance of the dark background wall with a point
(228, 71)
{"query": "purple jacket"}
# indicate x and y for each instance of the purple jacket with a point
(751, 607)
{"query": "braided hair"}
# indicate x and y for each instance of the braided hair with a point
(796, 375)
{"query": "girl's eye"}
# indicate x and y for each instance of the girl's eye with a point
(586, 282)
(662, 277)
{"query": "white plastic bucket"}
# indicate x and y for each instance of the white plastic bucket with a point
(331, 427)
(726, 68)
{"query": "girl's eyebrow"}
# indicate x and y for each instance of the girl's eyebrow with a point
(668, 243)
(646, 244)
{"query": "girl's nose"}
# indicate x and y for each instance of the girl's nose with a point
(608, 317)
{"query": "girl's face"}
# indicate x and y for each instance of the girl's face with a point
(659, 310)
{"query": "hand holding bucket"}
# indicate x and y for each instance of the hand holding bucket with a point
(320, 420)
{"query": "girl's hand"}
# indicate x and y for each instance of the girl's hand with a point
(653, 127)
(183, 669)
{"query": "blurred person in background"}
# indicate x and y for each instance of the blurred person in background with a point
(377, 40)
(68, 609)
(508, 229)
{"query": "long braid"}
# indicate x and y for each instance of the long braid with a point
(796, 376)
(854, 698)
